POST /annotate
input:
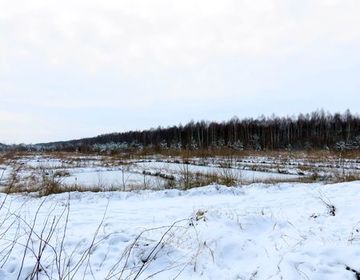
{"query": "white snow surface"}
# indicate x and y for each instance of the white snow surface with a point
(282, 231)
(107, 177)
(244, 175)
(96, 172)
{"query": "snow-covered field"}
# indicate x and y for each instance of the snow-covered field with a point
(105, 173)
(243, 175)
(116, 178)
(281, 231)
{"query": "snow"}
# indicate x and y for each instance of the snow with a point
(260, 231)
(111, 177)
(243, 175)
(106, 173)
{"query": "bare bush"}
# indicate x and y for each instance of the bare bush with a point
(329, 205)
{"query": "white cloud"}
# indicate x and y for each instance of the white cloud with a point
(167, 56)
(141, 34)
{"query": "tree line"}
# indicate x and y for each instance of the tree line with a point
(316, 130)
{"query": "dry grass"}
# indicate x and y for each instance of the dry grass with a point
(7, 156)
(347, 177)
(46, 250)
(54, 188)
(314, 154)
(306, 162)
(43, 182)
(226, 177)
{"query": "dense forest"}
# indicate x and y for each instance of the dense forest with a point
(317, 130)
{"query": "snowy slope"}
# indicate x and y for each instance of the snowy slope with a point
(285, 231)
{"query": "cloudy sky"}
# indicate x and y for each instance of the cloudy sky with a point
(76, 68)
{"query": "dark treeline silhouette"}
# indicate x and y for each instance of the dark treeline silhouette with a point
(316, 130)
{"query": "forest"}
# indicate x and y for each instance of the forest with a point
(316, 130)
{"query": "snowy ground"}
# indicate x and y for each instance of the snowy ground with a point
(107, 173)
(243, 175)
(282, 231)
(113, 178)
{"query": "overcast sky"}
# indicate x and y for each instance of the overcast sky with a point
(77, 68)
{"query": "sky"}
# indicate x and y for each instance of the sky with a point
(74, 68)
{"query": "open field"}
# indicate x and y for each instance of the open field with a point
(281, 231)
(22, 172)
(260, 216)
